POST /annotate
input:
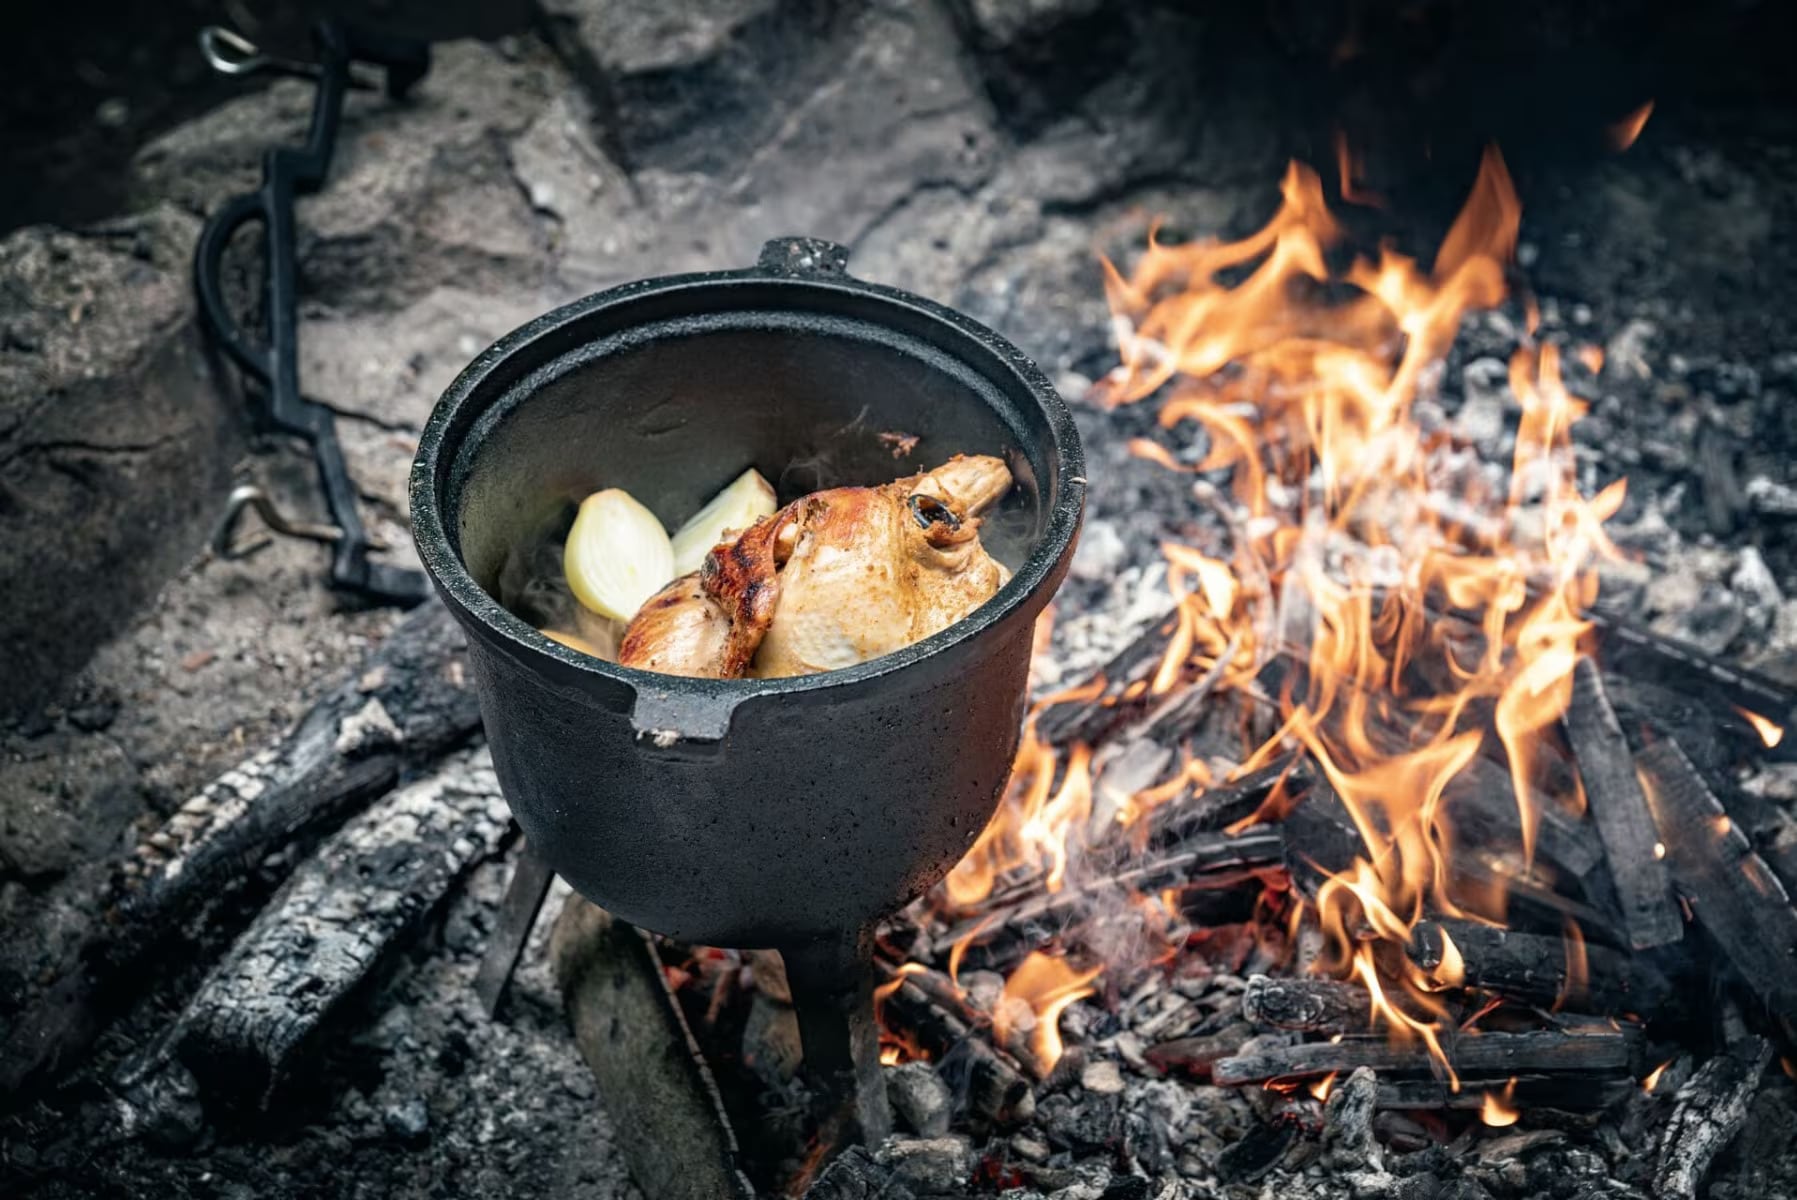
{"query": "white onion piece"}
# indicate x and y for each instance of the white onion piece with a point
(748, 499)
(618, 555)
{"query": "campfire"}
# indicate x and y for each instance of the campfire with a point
(1385, 814)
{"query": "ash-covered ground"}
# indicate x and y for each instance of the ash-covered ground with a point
(983, 154)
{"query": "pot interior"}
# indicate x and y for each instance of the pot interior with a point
(673, 402)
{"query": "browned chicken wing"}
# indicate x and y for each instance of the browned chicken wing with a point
(709, 623)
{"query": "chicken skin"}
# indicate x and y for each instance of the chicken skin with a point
(834, 579)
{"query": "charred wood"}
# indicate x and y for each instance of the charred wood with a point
(1307, 1005)
(986, 1081)
(1539, 969)
(1707, 1114)
(334, 923)
(1596, 1049)
(1207, 809)
(1619, 809)
(665, 1107)
(1118, 691)
(407, 704)
(1736, 899)
(1568, 1093)
(1199, 1053)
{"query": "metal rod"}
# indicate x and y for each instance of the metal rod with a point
(517, 914)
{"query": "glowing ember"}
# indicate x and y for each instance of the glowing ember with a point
(1497, 1109)
(1770, 733)
(1625, 131)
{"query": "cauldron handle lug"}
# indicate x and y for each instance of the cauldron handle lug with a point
(681, 724)
(803, 256)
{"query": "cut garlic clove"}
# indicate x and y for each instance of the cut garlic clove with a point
(618, 555)
(748, 499)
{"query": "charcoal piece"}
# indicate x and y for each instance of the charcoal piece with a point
(1533, 967)
(851, 1175)
(335, 921)
(920, 1098)
(1620, 811)
(1258, 1151)
(1320, 839)
(1642, 655)
(1081, 1123)
(664, 1104)
(1479, 805)
(986, 1084)
(1348, 1141)
(1736, 900)
(1707, 1114)
(1311, 1005)
(928, 1165)
(408, 703)
(1590, 1049)
(1198, 1054)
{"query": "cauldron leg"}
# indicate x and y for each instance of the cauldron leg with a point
(832, 990)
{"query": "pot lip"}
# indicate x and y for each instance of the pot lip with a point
(1029, 588)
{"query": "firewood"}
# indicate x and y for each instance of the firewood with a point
(987, 1081)
(1199, 1053)
(1308, 1005)
(1480, 806)
(1594, 1049)
(1201, 810)
(408, 703)
(1737, 901)
(1568, 1093)
(666, 1111)
(1619, 809)
(1533, 968)
(1090, 719)
(1707, 1114)
(334, 923)
(1200, 861)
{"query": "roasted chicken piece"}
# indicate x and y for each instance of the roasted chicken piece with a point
(831, 580)
(873, 570)
(708, 623)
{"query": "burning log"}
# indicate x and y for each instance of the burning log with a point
(665, 1106)
(990, 1083)
(1117, 691)
(1707, 1114)
(334, 923)
(1596, 1049)
(1201, 861)
(1620, 810)
(1568, 1093)
(1307, 1005)
(1538, 969)
(1211, 808)
(407, 704)
(1739, 902)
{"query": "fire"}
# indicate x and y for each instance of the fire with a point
(1426, 611)
(1771, 734)
(1497, 1108)
(1625, 131)
(1653, 1077)
(1034, 997)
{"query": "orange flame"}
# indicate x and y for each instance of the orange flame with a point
(1034, 997)
(1653, 1077)
(1771, 734)
(1498, 1109)
(1622, 135)
(1433, 611)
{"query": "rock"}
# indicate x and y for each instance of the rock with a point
(65, 803)
(940, 1164)
(919, 1098)
(115, 448)
(409, 1121)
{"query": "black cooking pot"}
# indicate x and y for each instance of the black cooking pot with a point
(748, 812)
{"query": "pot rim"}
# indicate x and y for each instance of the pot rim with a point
(1041, 570)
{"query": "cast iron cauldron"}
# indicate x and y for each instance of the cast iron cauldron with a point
(745, 812)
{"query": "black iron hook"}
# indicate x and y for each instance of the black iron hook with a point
(290, 171)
